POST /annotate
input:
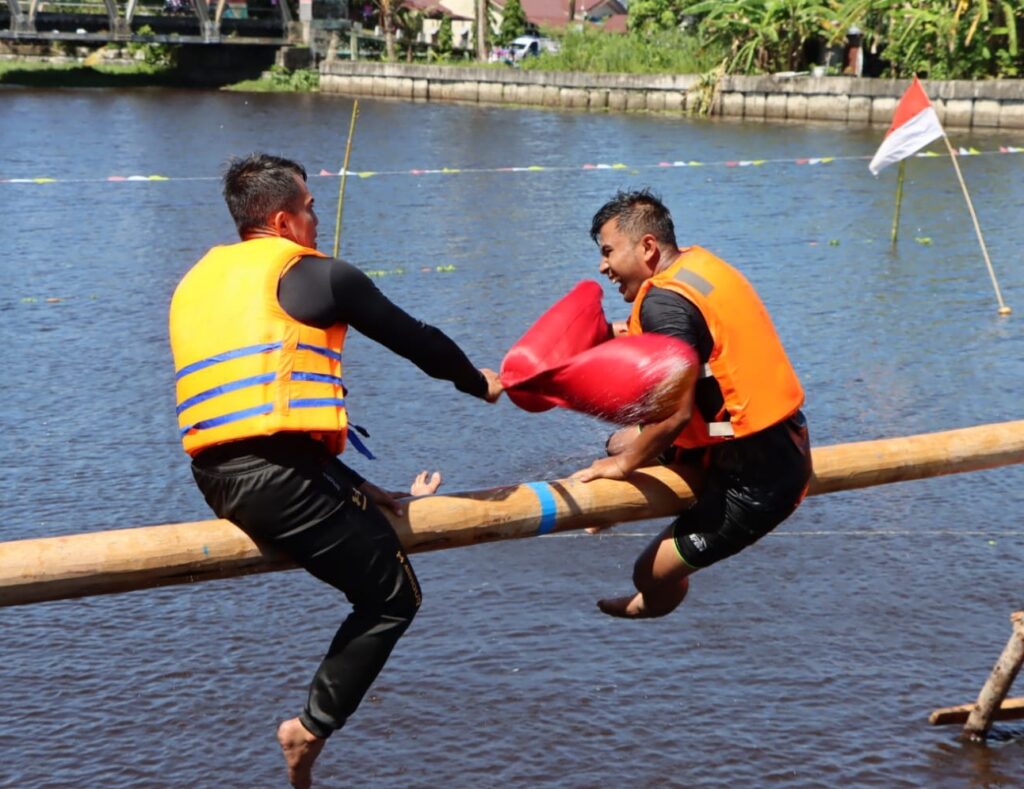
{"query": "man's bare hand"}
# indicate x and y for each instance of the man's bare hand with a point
(603, 468)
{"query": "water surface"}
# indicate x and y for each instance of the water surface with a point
(813, 658)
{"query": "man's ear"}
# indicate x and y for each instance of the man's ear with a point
(280, 223)
(650, 250)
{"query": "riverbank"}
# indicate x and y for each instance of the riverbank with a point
(797, 97)
(73, 72)
(77, 72)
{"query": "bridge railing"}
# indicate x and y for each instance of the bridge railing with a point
(205, 18)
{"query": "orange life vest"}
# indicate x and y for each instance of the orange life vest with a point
(747, 360)
(244, 367)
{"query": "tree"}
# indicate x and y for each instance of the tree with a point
(513, 23)
(409, 22)
(942, 40)
(444, 38)
(387, 21)
(649, 16)
(765, 37)
(482, 23)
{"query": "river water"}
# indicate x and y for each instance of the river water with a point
(812, 658)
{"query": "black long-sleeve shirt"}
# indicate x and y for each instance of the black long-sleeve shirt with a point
(323, 293)
(667, 312)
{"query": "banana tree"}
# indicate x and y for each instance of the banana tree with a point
(952, 39)
(767, 35)
(409, 22)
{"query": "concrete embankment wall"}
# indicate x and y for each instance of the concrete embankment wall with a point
(959, 103)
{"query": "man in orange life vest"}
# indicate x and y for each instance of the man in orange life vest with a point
(741, 419)
(257, 331)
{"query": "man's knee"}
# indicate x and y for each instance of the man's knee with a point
(663, 587)
(664, 597)
(402, 606)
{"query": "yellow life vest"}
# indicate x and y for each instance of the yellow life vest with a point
(244, 367)
(758, 383)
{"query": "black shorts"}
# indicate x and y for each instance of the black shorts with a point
(752, 485)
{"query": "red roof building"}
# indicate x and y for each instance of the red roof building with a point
(555, 13)
(549, 13)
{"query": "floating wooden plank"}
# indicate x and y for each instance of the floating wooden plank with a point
(121, 560)
(1009, 710)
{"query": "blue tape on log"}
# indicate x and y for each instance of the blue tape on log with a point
(548, 508)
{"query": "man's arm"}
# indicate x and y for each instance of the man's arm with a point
(663, 312)
(325, 292)
(648, 444)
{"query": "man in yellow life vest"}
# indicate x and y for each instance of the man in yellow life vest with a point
(741, 419)
(257, 330)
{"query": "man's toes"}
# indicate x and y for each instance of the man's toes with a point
(618, 606)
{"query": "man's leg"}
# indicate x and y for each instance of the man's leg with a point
(662, 573)
(304, 505)
(661, 578)
(367, 563)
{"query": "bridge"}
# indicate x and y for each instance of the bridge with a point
(184, 22)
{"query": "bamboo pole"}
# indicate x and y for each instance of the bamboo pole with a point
(1003, 309)
(894, 235)
(78, 565)
(344, 176)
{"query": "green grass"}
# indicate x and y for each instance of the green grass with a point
(279, 80)
(74, 75)
(594, 51)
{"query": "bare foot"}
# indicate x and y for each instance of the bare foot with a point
(424, 485)
(659, 603)
(630, 607)
(300, 749)
(596, 529)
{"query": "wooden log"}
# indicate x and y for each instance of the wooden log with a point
(1009, 710)
(998, 682)
(54, 568)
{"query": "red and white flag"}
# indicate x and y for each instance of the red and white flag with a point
(914, 125)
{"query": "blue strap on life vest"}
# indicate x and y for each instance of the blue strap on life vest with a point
(354, 431)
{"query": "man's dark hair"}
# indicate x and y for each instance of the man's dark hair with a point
(638, 213)
(257, 185)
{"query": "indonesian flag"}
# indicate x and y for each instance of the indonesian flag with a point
(914, 125)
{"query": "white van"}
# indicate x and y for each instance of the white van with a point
(528, 46)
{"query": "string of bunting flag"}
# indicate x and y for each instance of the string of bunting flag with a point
(535, 168)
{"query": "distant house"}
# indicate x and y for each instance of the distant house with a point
(434, 11)
(548, 13)
(555, 13)
(616, 23)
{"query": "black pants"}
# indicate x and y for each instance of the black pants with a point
(289, 494)
(751, 486)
